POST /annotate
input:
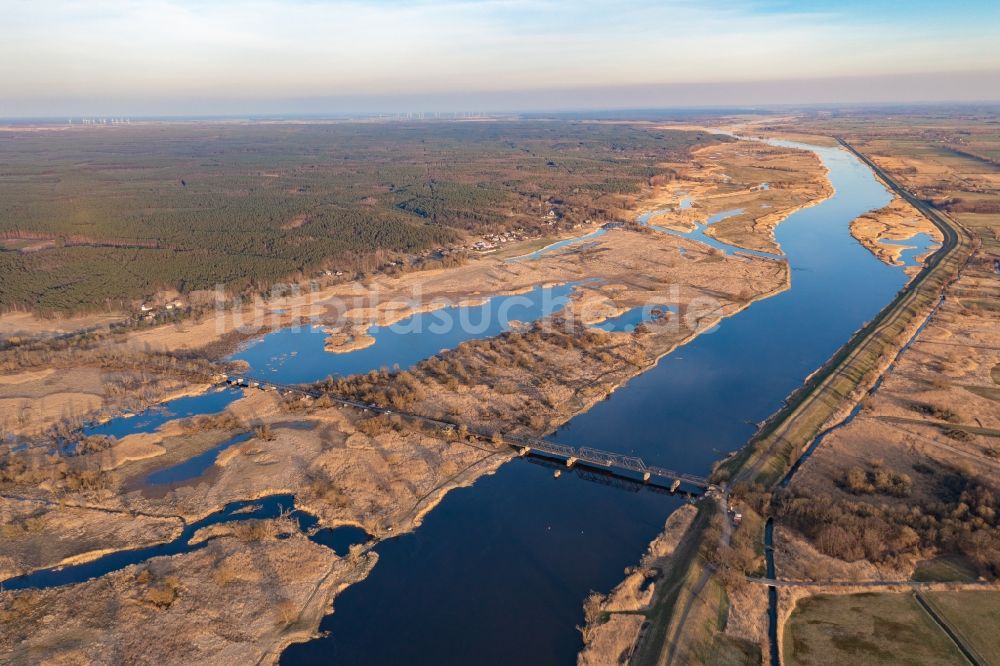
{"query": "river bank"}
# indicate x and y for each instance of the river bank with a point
(883, 232)
(614, 621)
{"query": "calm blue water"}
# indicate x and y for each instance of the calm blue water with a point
(497, 574)
(340, 539)
(405, 343)
(707, 395)
(712, 219)
(628, 320)
(559, 245)
(194, 466)
(915, 246)
(296, 355)
(211, 402)
(699, 234)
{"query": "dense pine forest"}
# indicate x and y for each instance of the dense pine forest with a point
(93, 217)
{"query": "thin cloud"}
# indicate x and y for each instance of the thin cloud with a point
(265, 49)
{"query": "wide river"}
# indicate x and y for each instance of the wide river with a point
(498, 572)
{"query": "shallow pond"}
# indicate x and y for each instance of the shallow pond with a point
(210, 402)
(915, 246)
(297, 355)
(641, 314)
(194, 466)
(340, 539)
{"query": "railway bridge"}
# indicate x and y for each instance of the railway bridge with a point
(625, 468)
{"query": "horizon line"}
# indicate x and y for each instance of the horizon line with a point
(423, 114)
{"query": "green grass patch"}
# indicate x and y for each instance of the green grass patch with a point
(868, 629)
(947, 568)
(988, 392)
(974, 616)
(673, 589)
(980, 304)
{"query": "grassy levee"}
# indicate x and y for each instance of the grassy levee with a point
(690, 606)
(788, 432)
(960, 642)
(674, 590)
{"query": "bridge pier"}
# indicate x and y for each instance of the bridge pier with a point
(523, 451)
(645, 477)
(675, 485)
(570, 461)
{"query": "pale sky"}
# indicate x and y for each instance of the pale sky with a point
(60, 57)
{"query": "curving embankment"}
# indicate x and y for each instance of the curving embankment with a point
(855, 366)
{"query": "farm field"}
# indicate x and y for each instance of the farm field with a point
(866, 629)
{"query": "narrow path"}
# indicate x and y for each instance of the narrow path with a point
(437, 488)
(695, 595)
(914, 584)
(90, 507)
(963, 345)
(942, 624)
(699, 586)
(990, 462)
(943, 425)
